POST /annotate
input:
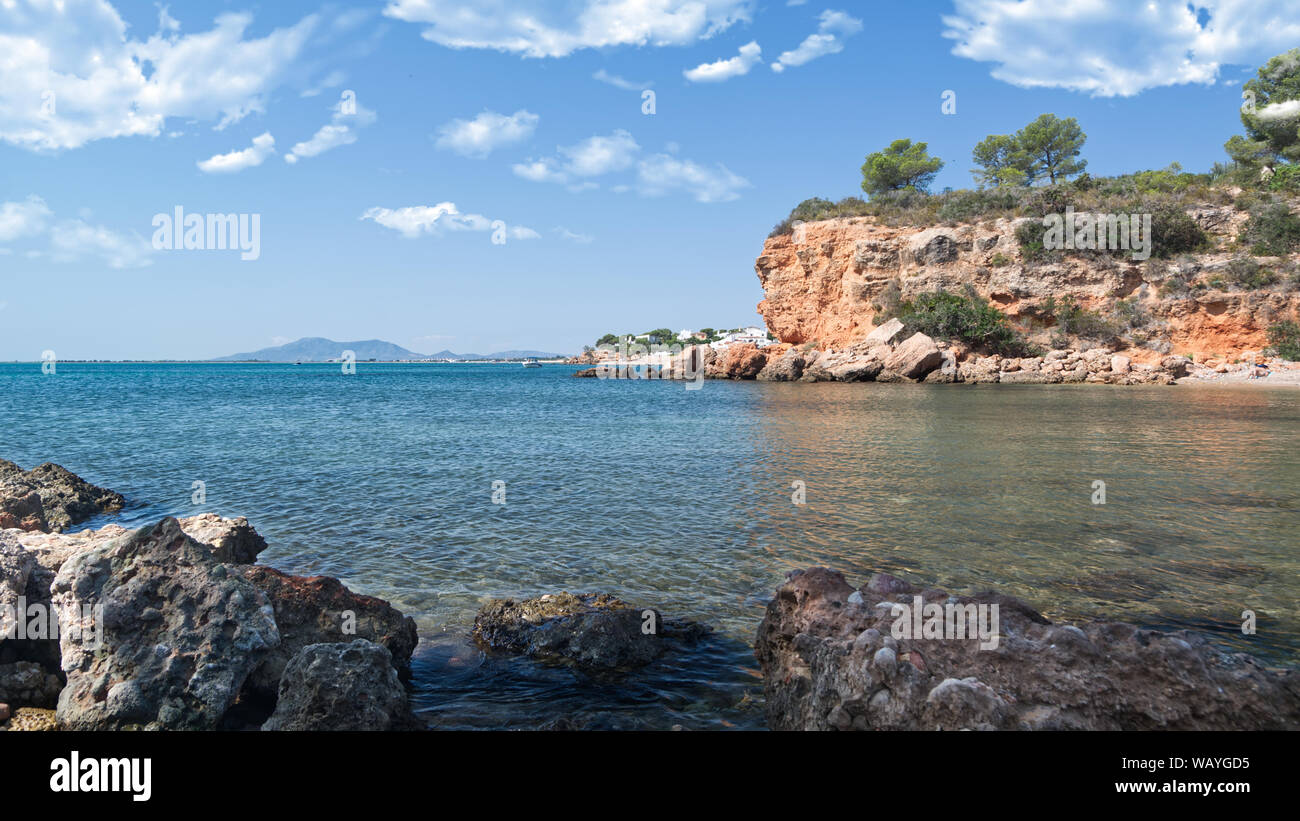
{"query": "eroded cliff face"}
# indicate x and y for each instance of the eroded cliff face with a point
(821, 283)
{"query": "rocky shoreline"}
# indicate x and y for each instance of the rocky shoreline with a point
(885, 355)
(174, 626)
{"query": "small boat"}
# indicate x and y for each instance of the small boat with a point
(532, 363)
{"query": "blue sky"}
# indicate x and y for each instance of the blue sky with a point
(377, 221)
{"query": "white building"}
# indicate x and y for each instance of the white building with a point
(746, 336)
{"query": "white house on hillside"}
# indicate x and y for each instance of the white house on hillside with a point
(746, 336)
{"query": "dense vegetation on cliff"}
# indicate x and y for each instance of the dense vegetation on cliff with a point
(1038, 171)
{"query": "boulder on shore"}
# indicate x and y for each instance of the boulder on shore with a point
(319, 610)
(915, 357)
(332, 686)
(831, 660)
(592, 631)
(155, 633)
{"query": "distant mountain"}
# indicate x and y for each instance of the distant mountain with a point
(319, 349)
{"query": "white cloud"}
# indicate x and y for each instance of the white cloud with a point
(716, 72)
(573, 236)
(557, 28)
(414, 220)
(659, 174)
(486, 132)
(263, 146)
(663, 173)
(543, 170)
(71, 240)
(592, 157)
(19, 220)
(601, 155)
(72, 74)
(832, 30)
(341, 130)
(619, 82)
(1117, 47)
(334, 79)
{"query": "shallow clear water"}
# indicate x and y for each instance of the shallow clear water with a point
(681, 500)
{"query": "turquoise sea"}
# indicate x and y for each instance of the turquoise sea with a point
(682, 500)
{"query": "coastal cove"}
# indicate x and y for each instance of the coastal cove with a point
(682, 501)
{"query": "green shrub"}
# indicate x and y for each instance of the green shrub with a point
(886, 307)
(1172, 230)
(968, 206)
(1249, 274)
(1284, 339)
(1286, 178)
(1272, 230)
(966, 318)
(1029, 235)
(1131, 314)
(1072, 319)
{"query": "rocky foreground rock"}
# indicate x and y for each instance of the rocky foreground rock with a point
(595, 632)
(50, 498)
(830, 660)
(180, 633)
(172, 626)
(341, 686)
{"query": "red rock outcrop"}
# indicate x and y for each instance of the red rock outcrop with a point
(821, 282)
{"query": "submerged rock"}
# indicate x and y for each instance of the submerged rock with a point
(180, 633)
(825, 667)
(592, 631)
(351, 686)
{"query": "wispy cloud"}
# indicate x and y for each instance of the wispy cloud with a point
(592, 157)
(834, 28)
(263, 146)
(341, 130)
(413, 221)
(573, 236)
(545, 28)
(662, 173)
(749, 56)
(619, 82)
(486, 132)
(32, 221)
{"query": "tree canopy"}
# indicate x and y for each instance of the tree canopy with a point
(1051, 148)
(1001, 161)
(903, 165)
(1270, 113)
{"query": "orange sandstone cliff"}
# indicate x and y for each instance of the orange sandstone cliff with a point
(821, 281)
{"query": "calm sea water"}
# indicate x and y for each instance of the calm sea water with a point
(681, 500)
